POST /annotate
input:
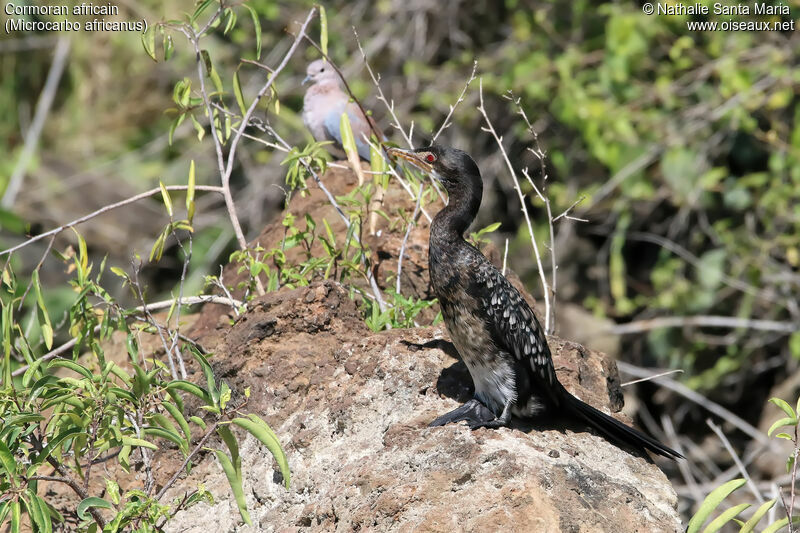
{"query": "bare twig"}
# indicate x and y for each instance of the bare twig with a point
(499, 140)
(710, 321)
(742, 470)
(700, 400)
(177, 473)
(654, 376)
(446, 122)
(505, 256)
(683, 466)
(191, 300)
(411, 223)
(106, 209)
(42, 110)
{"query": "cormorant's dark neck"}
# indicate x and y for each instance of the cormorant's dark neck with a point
(464, 200)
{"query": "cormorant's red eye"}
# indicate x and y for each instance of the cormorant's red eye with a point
(430, 158)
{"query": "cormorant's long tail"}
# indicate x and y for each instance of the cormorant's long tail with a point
(614, 430)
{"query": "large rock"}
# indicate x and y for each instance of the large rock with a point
(351, 408)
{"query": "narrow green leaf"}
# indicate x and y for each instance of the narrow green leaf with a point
(169, 47)
(323, 30)
(55, 442)
(92, 501)
(711, 502)
(176, 414)
(780, 524)
(784, 406)
(44, 316)
(257, 28)
(261, 430)
(149, 43)
(237, 92)
(750, 525)
(7, 461)
(780, 423)
(15, 516)
(191, 388)
(169, 435)
(66, 363)
(5, 507)
(236, 485)
(211, 71)
(133, 441)
(199, 421)
(166, 197)
(39, 512)
(725, 517)
(202, 7)
(348, 140)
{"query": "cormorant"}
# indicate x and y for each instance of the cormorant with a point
(492, 327)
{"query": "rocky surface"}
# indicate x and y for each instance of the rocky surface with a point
(351, 408)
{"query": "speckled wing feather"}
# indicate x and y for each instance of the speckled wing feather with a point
(515, 329)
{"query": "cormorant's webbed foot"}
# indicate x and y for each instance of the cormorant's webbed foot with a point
(473, 412)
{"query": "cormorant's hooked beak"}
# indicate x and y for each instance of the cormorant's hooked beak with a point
(413, 158)
(305, 80)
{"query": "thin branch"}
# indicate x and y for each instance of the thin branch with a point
(106, 209)
(177, 473)
(742, 470)
(499, 140)
(411, 223)
(190, 300)
(654, 376)
(446, 123)
(710, 321)
(700, 400)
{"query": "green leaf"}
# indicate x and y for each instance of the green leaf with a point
(176, 414)
(780, 423)
(725, 517)
(202, 7)
(257, 28)
(323, 30)
(209, 374)
(133, 441)
(784, 406)
(169, 47)
(261, 430)
(169, 435)
(191, 388)
(166, 197)
(92, 501)
(711, 502)
(750, 525)
(75, 367)
(235, 482)
(15, 516)
(39, 512)
(149, 43)
(237, 92)
(211, 71)
(348, 140)
(55, 442)
(44, 317)
(7, 461)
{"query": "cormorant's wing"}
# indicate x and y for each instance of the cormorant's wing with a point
(514, 327)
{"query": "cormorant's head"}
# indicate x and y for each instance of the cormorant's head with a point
(320, 71)
(452, 167)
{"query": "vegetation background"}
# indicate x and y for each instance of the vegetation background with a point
(683, 148)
